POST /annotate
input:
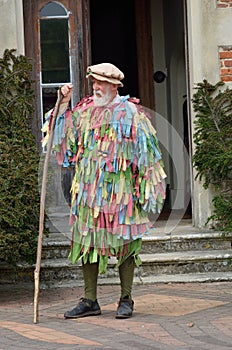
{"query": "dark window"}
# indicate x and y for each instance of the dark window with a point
(54, 49)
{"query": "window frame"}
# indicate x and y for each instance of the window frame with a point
(80, 51)
(54, 84)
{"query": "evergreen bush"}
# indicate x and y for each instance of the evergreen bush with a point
(19, 198)
(212, 157)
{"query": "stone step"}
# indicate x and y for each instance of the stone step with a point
(180, 242)
(186, 262)
(158, 264)
(165, 255)
(58, 245)
(152, 279)
(61, 270)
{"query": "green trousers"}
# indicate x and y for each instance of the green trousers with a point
(126, 275)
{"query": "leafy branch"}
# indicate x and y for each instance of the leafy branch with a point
(213, 145)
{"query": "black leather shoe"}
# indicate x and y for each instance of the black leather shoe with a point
(86, 307)
(125, 308)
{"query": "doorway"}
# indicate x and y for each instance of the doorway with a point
(120, 33)
(113, 39)
(141, 38)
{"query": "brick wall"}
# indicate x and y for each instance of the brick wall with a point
(225, 56)
(224, 3)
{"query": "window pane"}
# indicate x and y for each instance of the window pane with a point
(49, 96)
(54, 50)
(52, 9)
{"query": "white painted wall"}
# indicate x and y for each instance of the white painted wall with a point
(11, 26)
(208, 28)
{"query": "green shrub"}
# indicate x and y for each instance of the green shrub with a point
(213, 147)
(19, 198)
(223, 212)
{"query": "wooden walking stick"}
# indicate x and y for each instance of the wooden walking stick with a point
(42, 207)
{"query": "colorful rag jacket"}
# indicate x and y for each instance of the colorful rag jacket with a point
(119, 177)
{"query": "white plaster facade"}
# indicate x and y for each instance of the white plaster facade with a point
(11, 26)
(209, 28)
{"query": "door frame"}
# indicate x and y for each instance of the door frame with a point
(144, 53)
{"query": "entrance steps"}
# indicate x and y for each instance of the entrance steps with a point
(169, 254)
(183, 256)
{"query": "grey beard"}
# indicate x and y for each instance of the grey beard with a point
(102, 101)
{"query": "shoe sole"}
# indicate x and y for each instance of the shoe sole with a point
(89, 313)
(123, 316)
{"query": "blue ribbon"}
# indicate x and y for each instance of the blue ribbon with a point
(59, 133)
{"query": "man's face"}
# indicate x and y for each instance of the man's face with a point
(103, 92)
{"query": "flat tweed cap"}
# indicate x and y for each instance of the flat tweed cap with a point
(105, 72)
